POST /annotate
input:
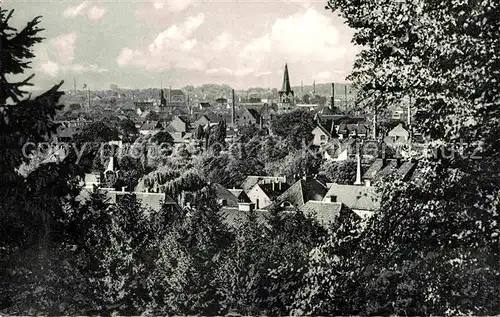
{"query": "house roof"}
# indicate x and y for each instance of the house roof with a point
(222, 192)
(373, 169)
(302, 191)
(355, 197)
(150, 125)
(324, 212)
(398, 131)
(322, 129)
(254, 113)
(390, 168)
(273, 190)
(240, 194)
(348, 127)
(251, 180)
(405, 171)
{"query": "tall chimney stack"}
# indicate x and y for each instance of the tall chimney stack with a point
(169, 94)
(233, 114)
(332, 101)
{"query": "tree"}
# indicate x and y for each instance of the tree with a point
(339, 172)
(294, 127)
(431, 248)
(152, 116)
(128, 130)
(37, 273)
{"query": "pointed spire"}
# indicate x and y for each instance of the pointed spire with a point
(286, 88)
(358, 170)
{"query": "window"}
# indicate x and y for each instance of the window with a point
(323, 137)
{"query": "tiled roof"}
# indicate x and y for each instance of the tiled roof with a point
(302, 191)
(240, 194)
(405, 171)
(355, 197)
(223, 193)
(324, 212)
(373, 169)
(390, 168)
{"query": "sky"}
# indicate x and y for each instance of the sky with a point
(153, 43)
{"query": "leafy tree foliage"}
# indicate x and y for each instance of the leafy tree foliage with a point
(294, 127)
(433, 247)
(339, 172)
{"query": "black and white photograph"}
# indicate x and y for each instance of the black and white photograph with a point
(249, 157)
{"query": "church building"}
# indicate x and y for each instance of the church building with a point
(286, 95)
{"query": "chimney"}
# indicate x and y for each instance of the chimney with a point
(233, 114)
(273, 186)
(169, 93)
(123, 188)
(147, 190)
(358, 170)
(279, 186)
(260, 122)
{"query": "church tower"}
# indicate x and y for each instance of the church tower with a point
(286, 95)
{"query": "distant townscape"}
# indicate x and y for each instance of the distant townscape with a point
(375, 197)
(336, 134)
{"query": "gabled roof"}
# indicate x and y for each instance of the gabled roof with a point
(390, 168)
(150, 125)
(324, 212)
(355, 197)
(273, 190)
(322, 129)
(373, 169)
(210, 116)
(349, 127)
(240, 194)
(405, 171)
(302, 191)
(251, 180)
(398, 131)
(222, 193)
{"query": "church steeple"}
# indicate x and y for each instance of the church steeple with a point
(286, 88)
(163, 101)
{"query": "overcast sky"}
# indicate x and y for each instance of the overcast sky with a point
(140, 44)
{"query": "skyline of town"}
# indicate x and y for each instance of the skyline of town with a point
(184, 42)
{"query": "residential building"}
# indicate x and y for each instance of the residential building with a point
(150, 127)
(363, 200)
(321, 135)
(301, 192)
(263, 195)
